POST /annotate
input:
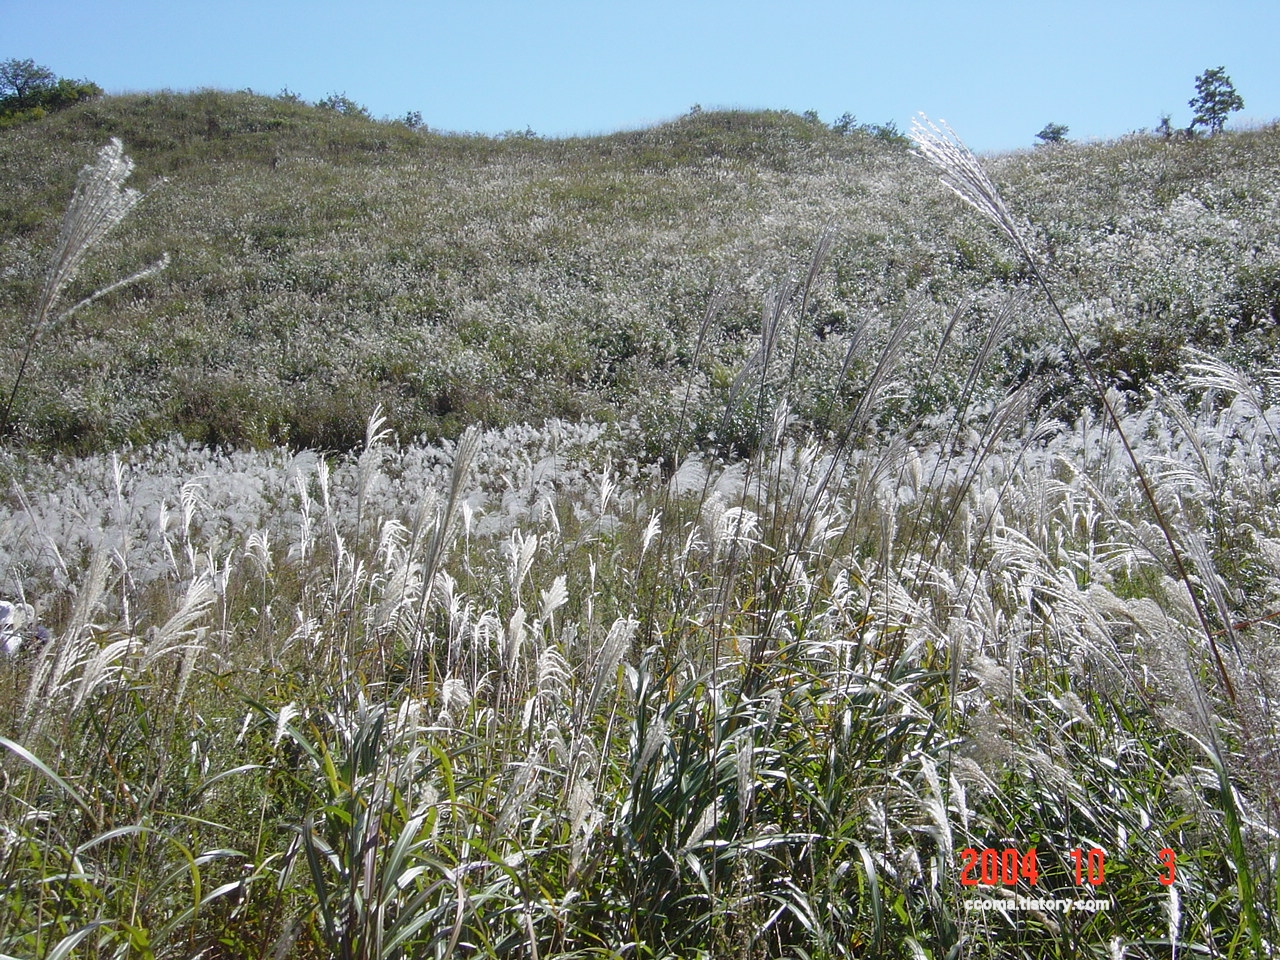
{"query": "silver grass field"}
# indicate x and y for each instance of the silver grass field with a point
(709, 542)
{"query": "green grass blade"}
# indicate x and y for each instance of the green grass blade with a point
(40, 765)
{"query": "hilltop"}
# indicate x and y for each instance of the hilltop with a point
(323, 264)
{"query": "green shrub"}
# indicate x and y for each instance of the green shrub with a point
(341, 103)
(29, 92)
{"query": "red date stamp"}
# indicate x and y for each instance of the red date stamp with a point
(998, 867)
(1010, 866)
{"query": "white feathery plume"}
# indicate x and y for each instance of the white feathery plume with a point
(283, 719)
(516, 633)
(520, 551)
(654, 739)
(964, 176)
(554, 598)
(59, 658)
(651, 531)
(609, 656)
(181, 626)
(101, 200)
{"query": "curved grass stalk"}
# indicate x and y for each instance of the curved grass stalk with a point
(963, 175)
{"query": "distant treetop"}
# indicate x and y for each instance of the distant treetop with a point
(1053, 133)
(21, 78)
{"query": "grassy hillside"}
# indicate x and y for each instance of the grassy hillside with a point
(717, 540)
(324, 264)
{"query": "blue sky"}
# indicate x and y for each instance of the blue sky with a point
(996, 71)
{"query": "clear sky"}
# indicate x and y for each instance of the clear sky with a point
(996, 70)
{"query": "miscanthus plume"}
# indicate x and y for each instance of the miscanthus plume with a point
(101, 200)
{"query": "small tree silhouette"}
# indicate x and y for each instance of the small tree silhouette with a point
(1053, 133)
(1215, 98)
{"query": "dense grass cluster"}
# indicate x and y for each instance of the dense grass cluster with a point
(773, 541)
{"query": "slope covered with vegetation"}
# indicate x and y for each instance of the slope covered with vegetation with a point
(709, 540)
(323, 264)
